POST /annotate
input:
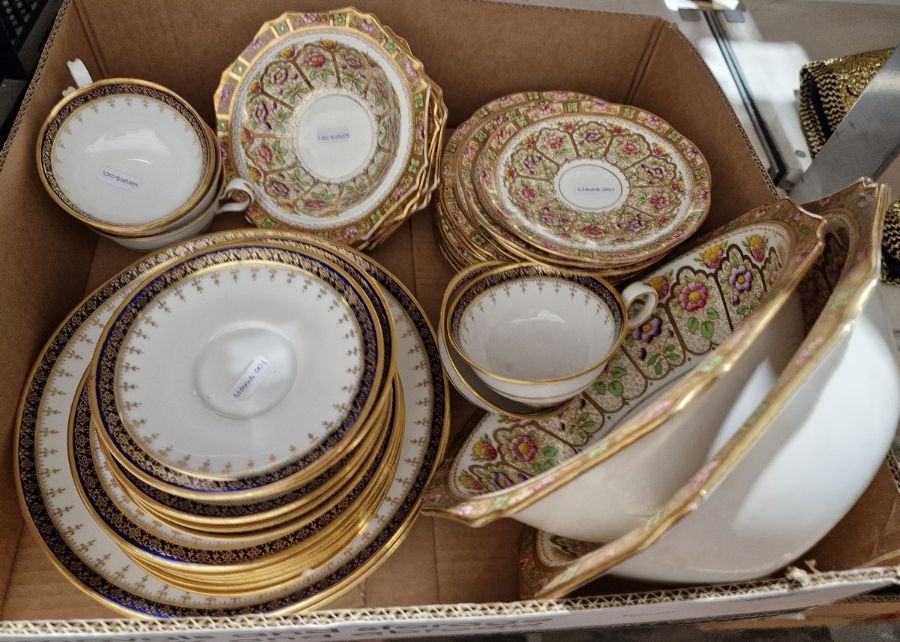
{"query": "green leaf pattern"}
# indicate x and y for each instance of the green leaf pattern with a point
(656, 351)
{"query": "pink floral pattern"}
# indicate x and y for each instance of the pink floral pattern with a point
(280, 88)
(655, 202)
(695, 314)
(270, 82)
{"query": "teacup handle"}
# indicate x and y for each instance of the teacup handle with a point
(80, 75)
(235, 185)
(637, 291)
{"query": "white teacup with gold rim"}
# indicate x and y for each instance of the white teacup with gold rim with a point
(540, 335)
(133, 160)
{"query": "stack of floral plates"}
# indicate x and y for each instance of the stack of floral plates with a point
(241, 423)
(335, 125)
(569, 180)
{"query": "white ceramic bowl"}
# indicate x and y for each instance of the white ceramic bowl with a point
(539, 335)
(806, 471)
(800, 461)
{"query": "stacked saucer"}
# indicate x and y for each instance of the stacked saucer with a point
(134, 161)
(568, 180)
(258, 418)
(335, 125)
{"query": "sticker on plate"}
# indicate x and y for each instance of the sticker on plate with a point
(121, 180)
(249, 381)
(328, 135)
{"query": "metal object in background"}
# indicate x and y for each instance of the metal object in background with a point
(866, 143)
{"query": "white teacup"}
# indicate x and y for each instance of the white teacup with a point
(218, 201)
(540, 335)
(131, 159)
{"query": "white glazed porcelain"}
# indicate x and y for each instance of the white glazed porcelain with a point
(721, 332)
(813, 462)
(476, 392)
(94, 562)
(216, 202)
(537, 335)
(638, 480)
(272, 357)
(801, 459)
(126, 156)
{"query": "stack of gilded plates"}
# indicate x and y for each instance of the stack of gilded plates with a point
(335, 125)
(570, 180)
(241, 423)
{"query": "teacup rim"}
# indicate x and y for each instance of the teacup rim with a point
(213, 166)
(465, 284)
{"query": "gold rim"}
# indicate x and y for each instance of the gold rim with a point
(375, 400)
(392, 221)
(488, 507)
(485, 192)
(168, 256)
(280, 570)
(538, 269)
(237, 71)
(452, 287)
(360, 505)
(129, 230)
(228, 529)
(838, 321)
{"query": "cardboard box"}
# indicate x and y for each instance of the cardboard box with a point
(445, 579)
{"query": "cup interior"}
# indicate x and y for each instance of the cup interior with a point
(530, 326)
(127, 155)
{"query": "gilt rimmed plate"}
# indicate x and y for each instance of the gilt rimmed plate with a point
(610, 184)
(94, 562)
(271, 356)
(230, 517)
(126, 156)
(144, 537)
(457, 162)
(325, 114)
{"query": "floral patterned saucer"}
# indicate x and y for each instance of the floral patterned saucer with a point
(594, 181)
(328, 116)
(534, 470)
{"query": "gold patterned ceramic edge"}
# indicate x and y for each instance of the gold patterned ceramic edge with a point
(222, 520)
(392, 220)
(187, 509)
(372, 307)
(807, 229)
(371, 394)
(226, 555)
(277, 570)
(478, 284)
(859, 210)
(494, 242)
(106, 593)
(363, 25)
(272, 524)
(125, 87)
(282, 573)
(514, 410)
(481, 243)
(695, 165)
(192, 516)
